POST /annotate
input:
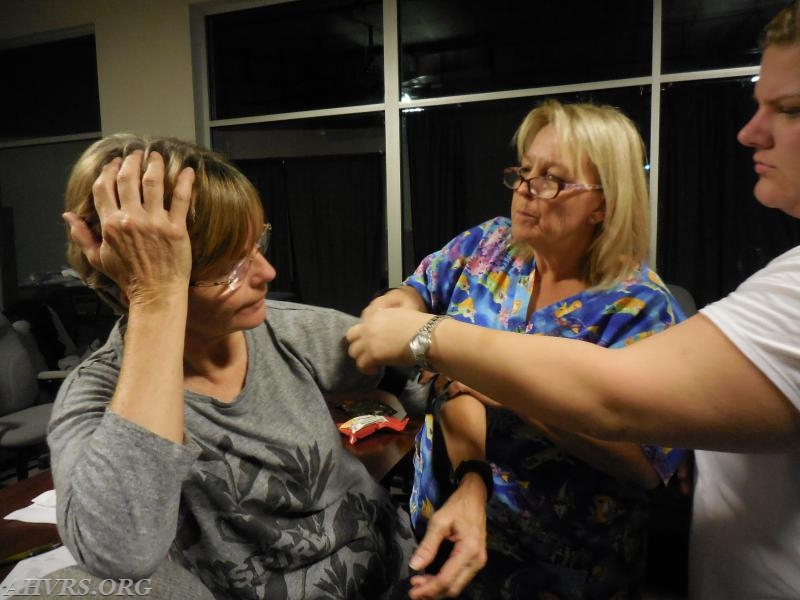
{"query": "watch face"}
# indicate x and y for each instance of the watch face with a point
(417, 346)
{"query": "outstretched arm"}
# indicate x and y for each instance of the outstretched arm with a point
(688, 386)
(623, 460)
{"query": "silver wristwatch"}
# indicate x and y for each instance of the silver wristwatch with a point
(421, 342)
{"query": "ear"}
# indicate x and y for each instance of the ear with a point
(598, 214)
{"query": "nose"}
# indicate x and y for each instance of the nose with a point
(263, 269)
(524, 188)
(755, 133)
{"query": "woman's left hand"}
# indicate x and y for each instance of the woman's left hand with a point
(462, 520)
(382, 337)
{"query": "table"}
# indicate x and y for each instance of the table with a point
(383, 450)
(16, 536)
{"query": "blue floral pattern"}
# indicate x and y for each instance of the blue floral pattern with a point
(555, 524)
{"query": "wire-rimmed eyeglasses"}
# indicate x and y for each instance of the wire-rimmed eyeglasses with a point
(542, 186)
(234, 279)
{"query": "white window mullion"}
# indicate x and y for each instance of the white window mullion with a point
(202, 112)
(655, 123)
(391, 87)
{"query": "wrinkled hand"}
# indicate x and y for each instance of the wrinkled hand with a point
(145, 248)
(382, 338)
(462, 520)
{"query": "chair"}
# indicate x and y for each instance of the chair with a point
(684, 298)
(25, 405)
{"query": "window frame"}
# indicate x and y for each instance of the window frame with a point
(44, 38)
(393, 105)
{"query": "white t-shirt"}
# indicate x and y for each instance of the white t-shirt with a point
(746, 514)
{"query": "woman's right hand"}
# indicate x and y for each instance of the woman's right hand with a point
(382, 337)
(145, 248)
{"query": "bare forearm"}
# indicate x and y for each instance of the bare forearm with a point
(688, 386)
(464, 429)
(623, 460)
(522, 368)
(150, 388)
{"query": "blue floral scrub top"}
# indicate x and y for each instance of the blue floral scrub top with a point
(556, 526)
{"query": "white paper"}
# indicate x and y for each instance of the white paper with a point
(36, 567)
(41, 510)
(47, 499)
(33, 514)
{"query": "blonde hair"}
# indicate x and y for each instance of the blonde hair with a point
(784, 28)
(224, 213)
(613, 146)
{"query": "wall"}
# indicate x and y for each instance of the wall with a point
(144, 59)
(33, 179)
(144, 65)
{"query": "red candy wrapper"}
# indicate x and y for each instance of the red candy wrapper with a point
(364, 425)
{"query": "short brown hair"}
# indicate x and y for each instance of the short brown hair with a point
(224, 213)
(784, 28)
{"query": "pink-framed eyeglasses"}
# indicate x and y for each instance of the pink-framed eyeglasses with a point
(234, 279)
(542, 186)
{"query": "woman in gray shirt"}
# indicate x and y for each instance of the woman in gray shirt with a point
(200, 429)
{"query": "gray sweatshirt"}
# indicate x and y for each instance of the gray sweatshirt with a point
(261, 501)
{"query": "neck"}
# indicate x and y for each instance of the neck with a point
(556, 269)
(555, 278)
(203, 357)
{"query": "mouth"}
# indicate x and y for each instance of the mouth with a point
(526, 215)
(762, 168)
(253, 306)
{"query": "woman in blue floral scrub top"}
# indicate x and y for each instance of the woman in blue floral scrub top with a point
(567, 518)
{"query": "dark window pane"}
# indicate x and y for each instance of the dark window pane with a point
(452, 47)
(455, 157)
(712, 233)
(322, 184)
(49, 89)
(295, 56)
(713, 34)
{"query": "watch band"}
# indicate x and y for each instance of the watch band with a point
(421, 342)
(482, 468)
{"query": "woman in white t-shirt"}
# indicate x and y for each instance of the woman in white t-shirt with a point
(727, 380)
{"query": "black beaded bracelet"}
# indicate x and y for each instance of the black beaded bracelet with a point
(482, 468)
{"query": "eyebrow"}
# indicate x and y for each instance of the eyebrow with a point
(545, 165)
(779, 99)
